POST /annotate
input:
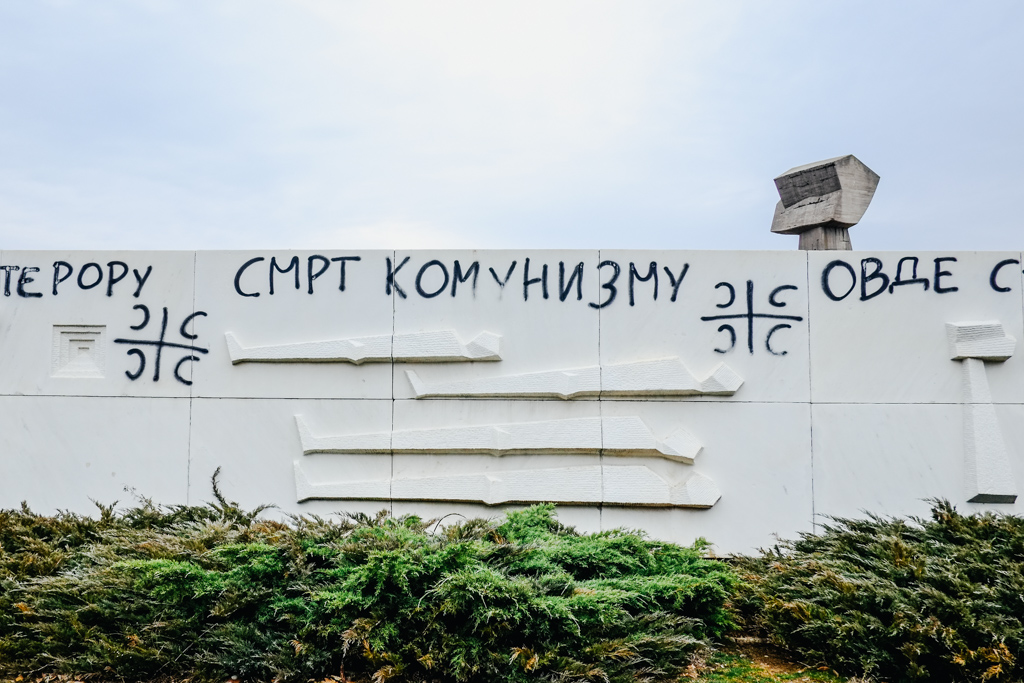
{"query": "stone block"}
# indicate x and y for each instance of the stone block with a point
(768, 495)
(894, 459)
(259, 453)
(833, 193)
(63, 452)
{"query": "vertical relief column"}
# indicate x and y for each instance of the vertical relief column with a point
(988, 477)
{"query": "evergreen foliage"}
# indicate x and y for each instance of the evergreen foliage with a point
(899, 600)
(209, 592)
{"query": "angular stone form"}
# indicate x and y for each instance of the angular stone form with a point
(612, 436)
(988, 476)
(982, 340)
(826, 197)
(664, 377)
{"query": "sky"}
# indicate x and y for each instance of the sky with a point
(328, 124)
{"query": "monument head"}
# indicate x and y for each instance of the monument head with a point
(822, 200)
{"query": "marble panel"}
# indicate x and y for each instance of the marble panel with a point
(100, 334)
(63, 452)
(566, 472)
(757, 454)
(891, 459)
(540, 330)
(710, 310)
(307, 308)
(885, 341)
(256, 444)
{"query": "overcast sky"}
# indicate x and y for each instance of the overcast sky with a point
(258, 124)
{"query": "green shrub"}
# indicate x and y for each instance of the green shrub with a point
(901, 600)
(214, 591)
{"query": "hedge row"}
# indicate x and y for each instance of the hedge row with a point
(939, 599)
(211, 592)
(215, 591)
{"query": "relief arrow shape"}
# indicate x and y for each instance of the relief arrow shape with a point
(662, 377)
(442, 346)
(611, 436)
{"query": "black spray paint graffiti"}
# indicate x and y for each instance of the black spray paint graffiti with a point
(90, 276)
(160, 344)
(316, 266)
(749, 316)
(535, 279)
(874, 281)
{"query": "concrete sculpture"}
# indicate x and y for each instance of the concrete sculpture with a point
(821, 201)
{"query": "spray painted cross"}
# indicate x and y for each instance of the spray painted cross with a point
(749, 316)
(161, 343)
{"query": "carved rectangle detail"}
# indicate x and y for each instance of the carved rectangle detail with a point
(78, 351)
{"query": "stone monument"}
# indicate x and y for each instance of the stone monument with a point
(821, 201)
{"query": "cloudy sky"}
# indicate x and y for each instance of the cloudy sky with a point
(557, 123)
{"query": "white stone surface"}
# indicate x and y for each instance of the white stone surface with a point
(663, 377)
(663, 328)
(63, 452)
(32, 328)
(255, 443)
(893, 459)
(613, 436)
(442, 346)
(292, 316)
(638, 486)
(624, 412)
(757, 454)
(570, 485)
(988, 477)
(417, 470)
(538, 334)
(893, 347)
(981, 340)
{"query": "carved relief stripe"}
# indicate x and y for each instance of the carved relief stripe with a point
(613, 436)
(662, 377)
(619, 485)
(442, 346)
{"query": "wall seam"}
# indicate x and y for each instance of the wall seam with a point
(391, 437)
(192, 372)
(600, 399)
(810, 395)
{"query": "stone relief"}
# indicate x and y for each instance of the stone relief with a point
(442, 346)
(988, 476)
(665, 377)
(627, 485)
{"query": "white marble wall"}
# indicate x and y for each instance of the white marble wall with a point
(692, 414)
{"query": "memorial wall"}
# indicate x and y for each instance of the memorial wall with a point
(730, 395)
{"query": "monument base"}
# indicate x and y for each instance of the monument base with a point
(824, 238)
